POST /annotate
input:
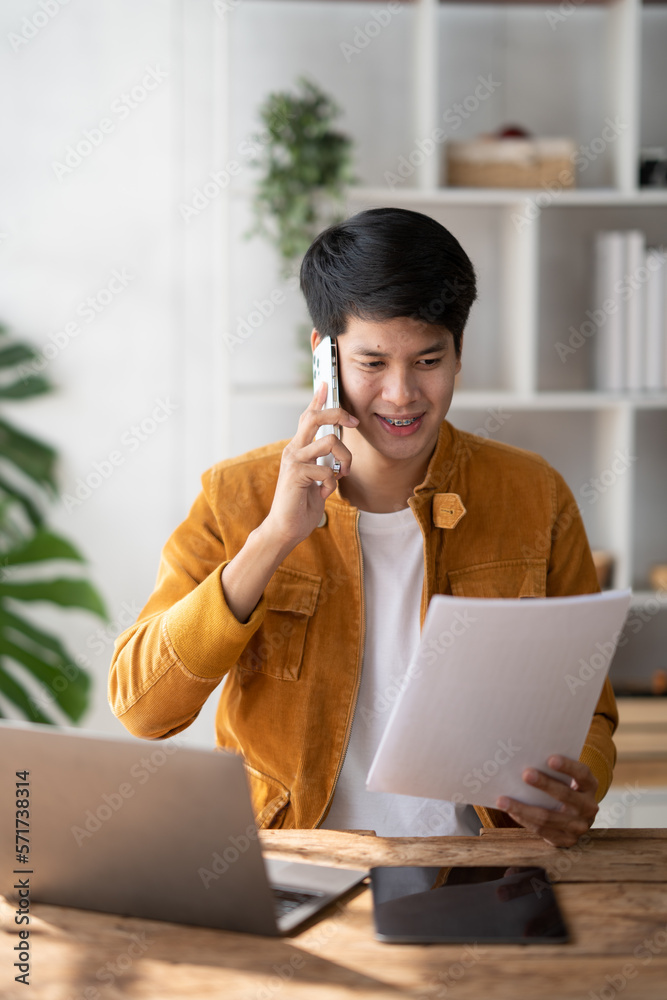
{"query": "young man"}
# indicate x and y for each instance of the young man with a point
(309, 598)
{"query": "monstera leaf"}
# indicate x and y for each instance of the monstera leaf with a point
(29, 554)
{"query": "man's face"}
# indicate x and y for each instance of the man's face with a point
(397, 378)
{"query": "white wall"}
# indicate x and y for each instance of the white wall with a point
(65, 233)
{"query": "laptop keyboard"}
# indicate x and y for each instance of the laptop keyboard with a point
(286, 900)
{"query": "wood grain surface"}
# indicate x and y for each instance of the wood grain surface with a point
(618, 937)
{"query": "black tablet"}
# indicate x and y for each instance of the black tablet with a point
(514, 906)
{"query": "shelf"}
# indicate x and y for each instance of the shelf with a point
(474, 400)
(564, 73)
(500, 197)
(509, 196)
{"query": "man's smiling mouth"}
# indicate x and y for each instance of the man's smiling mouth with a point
(400, 423)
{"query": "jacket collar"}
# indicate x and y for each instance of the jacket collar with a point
(440, 480)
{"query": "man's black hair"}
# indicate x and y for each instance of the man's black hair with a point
(385, 263)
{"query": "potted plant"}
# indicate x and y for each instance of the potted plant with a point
(305, 166)
(29, 551)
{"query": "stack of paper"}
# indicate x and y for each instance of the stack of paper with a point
(494, 687)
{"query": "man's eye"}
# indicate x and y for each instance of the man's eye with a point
(430, 362)
(371, 364)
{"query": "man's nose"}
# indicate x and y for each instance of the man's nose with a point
(400, 388)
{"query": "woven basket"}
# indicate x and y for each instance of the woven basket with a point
(510, 163)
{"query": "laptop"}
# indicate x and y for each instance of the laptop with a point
(155, 830)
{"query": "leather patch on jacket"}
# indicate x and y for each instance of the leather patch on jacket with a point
(448, 510)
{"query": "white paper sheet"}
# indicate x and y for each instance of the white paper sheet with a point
(497, 686)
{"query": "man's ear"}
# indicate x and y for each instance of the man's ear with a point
(458, 360)
(314, 339)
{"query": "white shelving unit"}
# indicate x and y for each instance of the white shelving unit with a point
(556, 77)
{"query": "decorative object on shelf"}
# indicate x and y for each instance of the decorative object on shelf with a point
(305, 165)
(658, 577)
(629, 317)
(510, 158)
(27, 551)
(653, 167)
(604, 567)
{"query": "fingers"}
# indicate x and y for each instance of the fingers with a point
(557, 828)
(327, 445)
(574, 808)
(582, 776)
(573, 812)
(314, 417)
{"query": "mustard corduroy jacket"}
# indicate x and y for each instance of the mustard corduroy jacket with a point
(497, 521)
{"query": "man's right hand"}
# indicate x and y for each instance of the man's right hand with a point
(297, 508)
(298, 503)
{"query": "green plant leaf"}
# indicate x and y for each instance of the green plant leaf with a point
(15, 354)
(31, 509)
(303, 158)
(42, 546)
(71, 695)
(65, 592)
(31, 385)
(44, 640)
(35, 459)
(14, 693)
(45, 645)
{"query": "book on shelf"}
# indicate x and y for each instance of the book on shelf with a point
(630, 301)
(610, 338)
(656, 320)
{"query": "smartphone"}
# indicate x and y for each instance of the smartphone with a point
(516, 906)
(325, 369)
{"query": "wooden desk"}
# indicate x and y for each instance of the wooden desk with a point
(613, 892)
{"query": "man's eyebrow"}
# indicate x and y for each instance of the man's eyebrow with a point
(367, 352)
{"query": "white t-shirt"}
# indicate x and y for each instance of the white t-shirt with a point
(393, 570)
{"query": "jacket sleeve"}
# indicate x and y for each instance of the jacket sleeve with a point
(185, 639)
(571, 571)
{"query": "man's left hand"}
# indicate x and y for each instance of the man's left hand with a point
(563, 825)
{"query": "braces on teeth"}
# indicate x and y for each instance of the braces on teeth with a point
(400, 423)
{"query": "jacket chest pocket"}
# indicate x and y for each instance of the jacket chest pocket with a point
(506, 578)
(276, 648)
